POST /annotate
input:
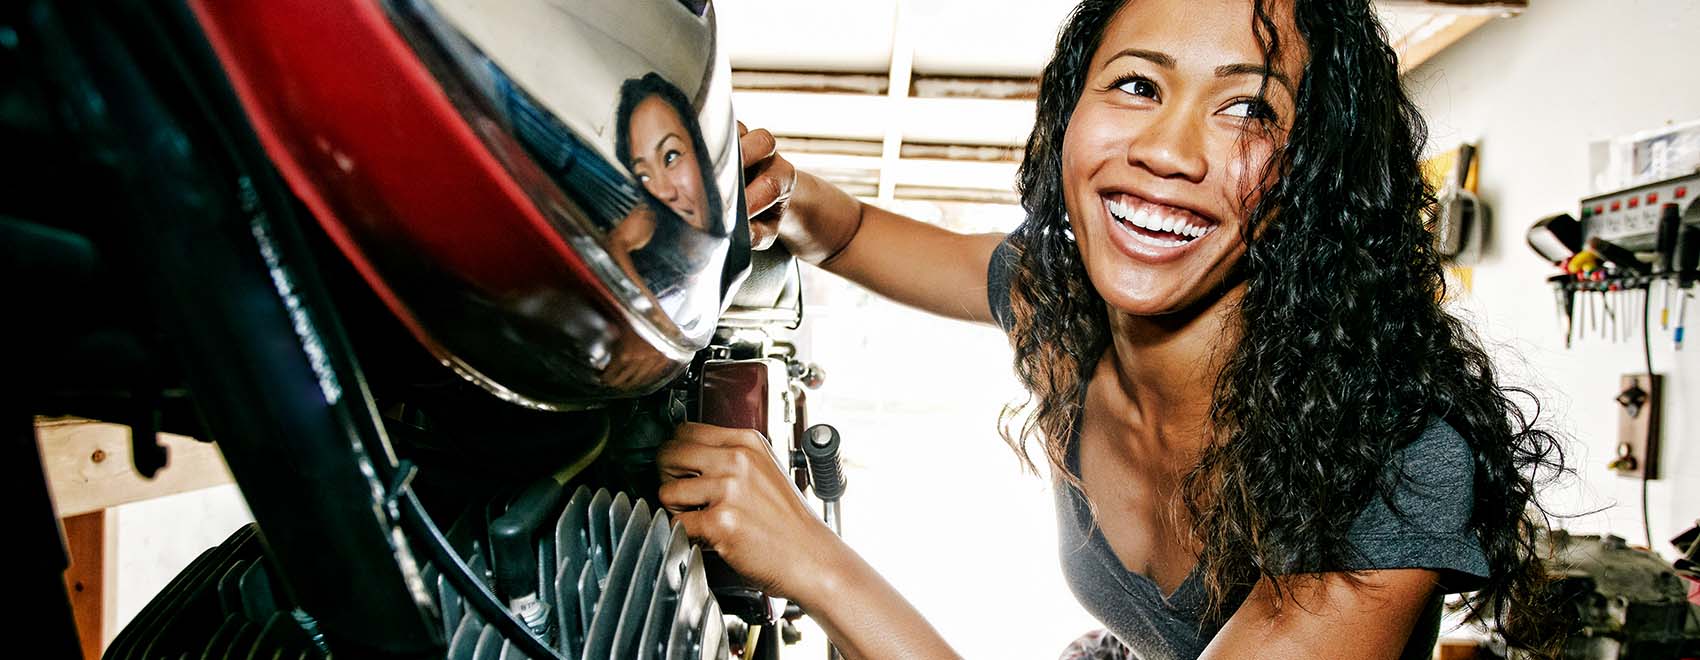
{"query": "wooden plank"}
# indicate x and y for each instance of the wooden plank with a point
(89, 469)
(85, 580)
(109, 588)
(1496, 7)
(1442, 30)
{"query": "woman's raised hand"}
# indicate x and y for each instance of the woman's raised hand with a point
(812, 218)
(727, 489)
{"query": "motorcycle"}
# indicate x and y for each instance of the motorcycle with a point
(437, 278)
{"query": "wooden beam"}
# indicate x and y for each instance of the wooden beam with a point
(89, 469)
(1439, 32)
(902, 67)
(85, 580)
(1486, 7)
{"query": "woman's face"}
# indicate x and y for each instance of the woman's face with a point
(1164, 153)
(665, 162)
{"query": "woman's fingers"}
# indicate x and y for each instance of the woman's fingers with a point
(757, 145)
(716, 528)
(702, 449)
(695, 493)
(767, 195)
(730, 493)
(768, 182)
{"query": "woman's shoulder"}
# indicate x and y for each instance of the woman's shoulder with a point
(1439, 455)
(998, 275)
(1423, 521)
(1431, 478)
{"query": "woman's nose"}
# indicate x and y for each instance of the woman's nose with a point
(662, 187)
(1171, 147)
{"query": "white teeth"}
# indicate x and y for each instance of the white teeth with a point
(1158, 242)
(1156, 220)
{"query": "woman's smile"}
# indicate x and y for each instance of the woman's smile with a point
(1154, 232)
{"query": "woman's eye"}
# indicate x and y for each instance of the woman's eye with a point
(1138, 87)
(1251, 109)
(670, 156)
(643, 178)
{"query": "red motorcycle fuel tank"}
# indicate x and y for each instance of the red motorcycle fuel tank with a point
(546, 193)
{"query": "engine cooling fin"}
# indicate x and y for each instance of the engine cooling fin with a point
(620, 580)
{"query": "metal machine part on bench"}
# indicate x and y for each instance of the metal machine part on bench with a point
(1625, 603)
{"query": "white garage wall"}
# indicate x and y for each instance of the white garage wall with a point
(1535, 90)
(157, 538)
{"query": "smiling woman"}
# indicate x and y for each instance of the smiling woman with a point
(665, 149)
(1271, 439)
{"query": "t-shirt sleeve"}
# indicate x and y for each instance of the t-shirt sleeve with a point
(998, 275)
(1429, 526)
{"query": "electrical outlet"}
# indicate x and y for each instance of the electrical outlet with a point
(1637, 452)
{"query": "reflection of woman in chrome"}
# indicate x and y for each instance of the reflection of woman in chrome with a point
(665, 149)
(664, 241)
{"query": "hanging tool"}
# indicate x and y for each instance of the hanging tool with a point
(1618, 257)
(1686, 266)
(1681, 316)
(1556, 238)
(1670, 221)
(1583, 262)
(1565, 300)
(1610, 323)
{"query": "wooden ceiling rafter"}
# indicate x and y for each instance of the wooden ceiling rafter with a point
(885, 161)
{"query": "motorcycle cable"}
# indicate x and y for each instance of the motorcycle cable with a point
(416, 523)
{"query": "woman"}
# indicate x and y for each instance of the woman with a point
(1271, 440)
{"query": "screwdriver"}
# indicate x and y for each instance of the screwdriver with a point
(1670, 220)
(1565, 300)
(1687, 263)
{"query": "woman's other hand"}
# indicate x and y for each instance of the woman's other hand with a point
(812, 218)
(727, 489)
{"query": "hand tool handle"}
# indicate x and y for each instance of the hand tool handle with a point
(1670, 221)
(1617, 255)
(1688, 251)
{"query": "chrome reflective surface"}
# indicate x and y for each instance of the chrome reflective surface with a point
(615, 118)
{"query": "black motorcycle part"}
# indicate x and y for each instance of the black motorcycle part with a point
(826, 471)
(224, 266)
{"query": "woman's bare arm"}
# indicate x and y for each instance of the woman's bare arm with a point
(909, 261)
(866, 618)
(727, 489)
(1329, 618)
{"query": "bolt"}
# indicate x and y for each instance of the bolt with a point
(98, 455)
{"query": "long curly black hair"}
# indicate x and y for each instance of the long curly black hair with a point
(1346, 349)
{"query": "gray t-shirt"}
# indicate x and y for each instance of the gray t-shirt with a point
(1435, 497)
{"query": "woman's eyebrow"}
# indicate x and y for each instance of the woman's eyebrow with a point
(1161, 59)
(658, 143)
(1167, 61)
(1259, 70)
